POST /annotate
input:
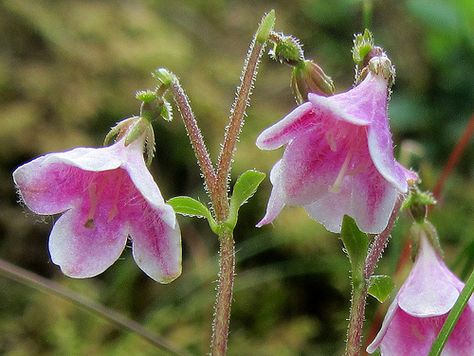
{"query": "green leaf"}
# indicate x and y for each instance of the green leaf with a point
(191, 207)
(188, 206)
(380, 287)
(356, 243)
(245, 187)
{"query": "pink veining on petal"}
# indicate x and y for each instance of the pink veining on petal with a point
(282, 132)
(156, 245)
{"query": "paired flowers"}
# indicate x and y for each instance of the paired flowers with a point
(105, 195)
(339, 156)
(419, 310)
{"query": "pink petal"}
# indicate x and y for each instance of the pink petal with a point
(428, 291)
(461, 341)
(373, 199)
(330, 209)
(310, 166)
(51, 183)
(134, 164)
(85, 250)
(300, 119)
(358, 106)
(156, 245)
(391, 312)
(381, 151)
(408, 335)
(277, 197)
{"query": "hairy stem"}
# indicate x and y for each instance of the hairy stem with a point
(195, 136)
(234, 127)
(360, 289)
(222, 307)
(45, 285)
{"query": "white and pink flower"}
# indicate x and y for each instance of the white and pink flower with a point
(418, 312)
(338, 159)
(105, 195)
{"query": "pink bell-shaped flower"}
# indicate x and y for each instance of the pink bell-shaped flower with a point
(105, 195)
(419, 310)
(339, 157)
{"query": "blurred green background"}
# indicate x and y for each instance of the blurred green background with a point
(69, 71)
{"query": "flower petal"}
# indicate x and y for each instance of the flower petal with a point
(156, 245)
(85, 249)
(330, 209)
(277, 196)
(381, 151)
(358, 106)
(310, 167)
(300, 119)
(428, 291)
(409, 335)
(392, 310)
(134, 164)
(373, 199)
(49, 184)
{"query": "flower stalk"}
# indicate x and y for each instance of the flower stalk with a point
(217, 181)
(360, 286)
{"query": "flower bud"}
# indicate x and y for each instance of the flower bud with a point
(287, 49)
(308, 77)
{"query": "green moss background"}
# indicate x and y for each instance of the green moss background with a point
(69, 71)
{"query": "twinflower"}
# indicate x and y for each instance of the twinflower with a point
(105, 195)
(418, 312)
(339, 157)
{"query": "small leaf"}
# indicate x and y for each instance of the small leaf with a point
(356, 244)
(191, 207)
(245, 187)
(188, 206)
(380, 287)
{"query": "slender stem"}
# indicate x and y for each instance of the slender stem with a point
(195, 136)
(45, 285)
(360, 290)
(356, 318)
(222, 307)
(234, 127)
(380, 242)
(453, 317)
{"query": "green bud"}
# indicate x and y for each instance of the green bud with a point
(119, 129)
(417, 202)
(363, 44)
(164, 76)
(146, 96)
(137, 131)
(287, 49)
(265, 27)
(308, 77)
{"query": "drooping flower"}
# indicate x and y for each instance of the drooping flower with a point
(339, 157)
(418, 312)
(105, 195)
